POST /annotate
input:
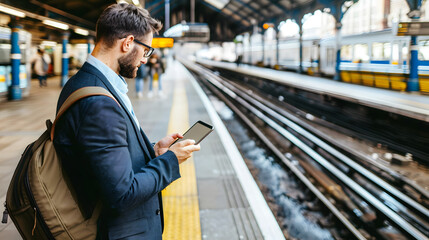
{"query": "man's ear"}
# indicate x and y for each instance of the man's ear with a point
(126, 43)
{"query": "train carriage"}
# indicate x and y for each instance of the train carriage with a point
(379, 59)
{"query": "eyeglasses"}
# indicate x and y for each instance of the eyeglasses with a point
(148, 52)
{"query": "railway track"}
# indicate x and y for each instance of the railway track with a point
(358, 192)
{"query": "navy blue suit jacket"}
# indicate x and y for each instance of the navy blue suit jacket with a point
(108, 158)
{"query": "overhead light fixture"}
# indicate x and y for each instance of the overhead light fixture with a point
(136, 2)
(219, 4)
(81, 31)
(11, 11)
(56, 24)
(49, 43)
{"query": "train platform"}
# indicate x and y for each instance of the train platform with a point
(413, 105)
(216, 198)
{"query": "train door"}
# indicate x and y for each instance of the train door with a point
(395, 58)
(330, 60)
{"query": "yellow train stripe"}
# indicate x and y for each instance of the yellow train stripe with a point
(180, 199)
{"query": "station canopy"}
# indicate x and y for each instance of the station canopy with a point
(226, 18)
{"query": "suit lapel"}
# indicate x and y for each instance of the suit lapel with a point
(91, 69)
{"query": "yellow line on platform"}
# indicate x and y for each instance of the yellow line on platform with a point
(180, 199)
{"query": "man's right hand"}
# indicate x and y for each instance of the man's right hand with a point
(184, 149)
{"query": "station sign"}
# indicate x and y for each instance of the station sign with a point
(162, 42)
(413, 29)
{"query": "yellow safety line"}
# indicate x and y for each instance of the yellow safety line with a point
(180, 199)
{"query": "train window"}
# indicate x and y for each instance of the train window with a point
(404, 52)
(346, 53)
(424, 50)
(395, 53)
(360, 53)
(380, 51)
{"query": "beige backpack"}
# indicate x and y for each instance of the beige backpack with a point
(40, 199)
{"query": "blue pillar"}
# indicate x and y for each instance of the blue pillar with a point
(413, 81)
(89, 46)
(15, 56)
(65, 60)
(337, 76)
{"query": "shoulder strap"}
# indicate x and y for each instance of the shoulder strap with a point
(76, 96)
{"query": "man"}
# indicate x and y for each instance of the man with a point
(101, 145)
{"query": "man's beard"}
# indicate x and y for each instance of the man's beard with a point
(126, 64)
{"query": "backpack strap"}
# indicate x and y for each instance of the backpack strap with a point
(76, 96)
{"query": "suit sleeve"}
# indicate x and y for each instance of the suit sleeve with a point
(102, 135)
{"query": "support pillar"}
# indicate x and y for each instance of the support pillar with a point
(192, 11)
(65, 60)
(413, 81)
(167, 15)
(300, 70)
(338, 27)
(15, 57)
(263, 48)
(90, 41)
(277, 50)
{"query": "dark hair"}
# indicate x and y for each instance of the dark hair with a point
(120, 20)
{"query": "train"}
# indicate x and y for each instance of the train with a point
(379, 59)
(5, 62)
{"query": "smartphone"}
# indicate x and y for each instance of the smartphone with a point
(197, 132)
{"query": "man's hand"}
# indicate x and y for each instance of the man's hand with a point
(184, 149)
(161, 147)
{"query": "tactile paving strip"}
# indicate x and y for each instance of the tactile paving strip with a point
(180, 199)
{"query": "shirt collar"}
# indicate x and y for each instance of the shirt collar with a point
(116, 80)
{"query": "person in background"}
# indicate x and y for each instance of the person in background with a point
(41, 66)
(239, 60)
(141, 74)
(155, 66)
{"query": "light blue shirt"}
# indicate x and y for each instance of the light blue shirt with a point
(117, 81)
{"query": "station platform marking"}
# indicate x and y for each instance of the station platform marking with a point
(180, 199)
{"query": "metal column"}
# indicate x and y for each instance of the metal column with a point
(338, 27)
(167, 15)
(300, 70)
(277, 50)
(65, 60)
(263, 49)
(192, 11)
(413, 81)
(15, 57)
(90, 41)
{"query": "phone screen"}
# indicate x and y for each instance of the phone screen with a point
(197, 132)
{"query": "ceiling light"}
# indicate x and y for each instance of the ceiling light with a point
(136, 2)
(11, 11)
(49, 43)
(56, 24)
(81, 31)
(219, 4)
